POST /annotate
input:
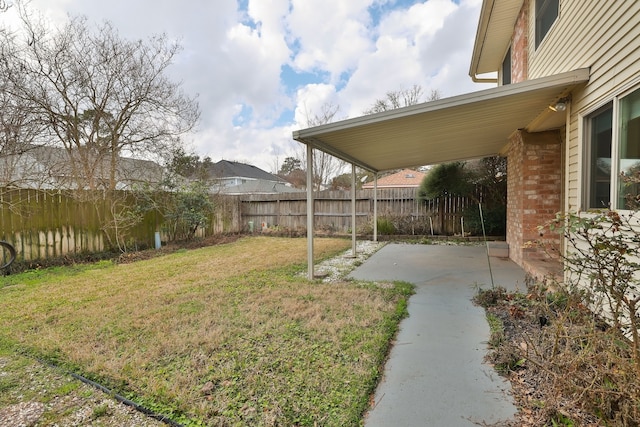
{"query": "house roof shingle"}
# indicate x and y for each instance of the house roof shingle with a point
(260, 187)
(228, 169)
(406, 178)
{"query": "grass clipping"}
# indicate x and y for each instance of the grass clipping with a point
(567, 366)
(225, 335)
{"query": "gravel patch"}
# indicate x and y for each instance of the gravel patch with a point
(34, 394)
(337, 268)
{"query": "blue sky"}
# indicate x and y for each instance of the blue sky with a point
(262, 68)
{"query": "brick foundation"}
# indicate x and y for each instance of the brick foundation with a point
(534, 189)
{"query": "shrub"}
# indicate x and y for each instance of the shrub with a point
(385, 226)
(495, 219)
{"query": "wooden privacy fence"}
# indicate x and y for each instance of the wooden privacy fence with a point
(333, 211)
(47, 224)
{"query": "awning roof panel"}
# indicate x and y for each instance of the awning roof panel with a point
(468, 126)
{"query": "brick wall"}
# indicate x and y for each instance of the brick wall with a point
(534, 192)
(515, 190)
(520, 46)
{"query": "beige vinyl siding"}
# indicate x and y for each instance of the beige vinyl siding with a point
(574, 171)
(602, 35)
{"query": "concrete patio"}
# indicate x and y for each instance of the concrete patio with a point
(435, 375)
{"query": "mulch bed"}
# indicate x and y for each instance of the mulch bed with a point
(550, 381)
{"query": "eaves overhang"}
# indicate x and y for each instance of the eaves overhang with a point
(469, 126)
(495, 29)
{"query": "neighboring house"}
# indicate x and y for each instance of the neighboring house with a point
(49, 168)
(406, 178)
(239, 178)
(566, 114)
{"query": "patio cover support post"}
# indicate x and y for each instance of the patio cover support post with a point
(353, 210)
(310, 212)
(375, 207)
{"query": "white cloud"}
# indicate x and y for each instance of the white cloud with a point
(310, 101)
(428, 44)
(233, 59)
(331, 34)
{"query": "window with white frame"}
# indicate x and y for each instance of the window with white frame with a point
(599, 131)
(546, 14)
(613, 174)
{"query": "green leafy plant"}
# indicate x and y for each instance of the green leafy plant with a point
(100, 411)
(496, 328)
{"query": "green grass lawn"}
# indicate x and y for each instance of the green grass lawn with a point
(224, 335)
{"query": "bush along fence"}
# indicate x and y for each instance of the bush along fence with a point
(48, 224)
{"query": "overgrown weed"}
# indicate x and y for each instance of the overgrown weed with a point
(568, 366)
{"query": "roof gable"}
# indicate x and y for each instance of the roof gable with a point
(51, 167)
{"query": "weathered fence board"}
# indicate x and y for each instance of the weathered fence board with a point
(46, 224)
(333, 210)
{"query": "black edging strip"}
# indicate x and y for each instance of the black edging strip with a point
(148, 412)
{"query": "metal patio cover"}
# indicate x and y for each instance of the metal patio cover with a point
(469, 126)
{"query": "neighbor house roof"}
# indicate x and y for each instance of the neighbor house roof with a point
(406, 178)
(469, 126)
(228, 169)
(43, 166)
(259, 187)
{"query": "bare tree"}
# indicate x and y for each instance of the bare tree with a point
(325, 166)
(19, 128)
(100, 96)
(401, 98)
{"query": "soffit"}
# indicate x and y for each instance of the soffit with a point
(495, 28)
(463, 127)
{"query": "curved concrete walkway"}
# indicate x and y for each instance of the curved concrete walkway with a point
(435, 375)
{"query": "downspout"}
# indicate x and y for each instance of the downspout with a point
(310, 212)
(563, 167)
(481, 36)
